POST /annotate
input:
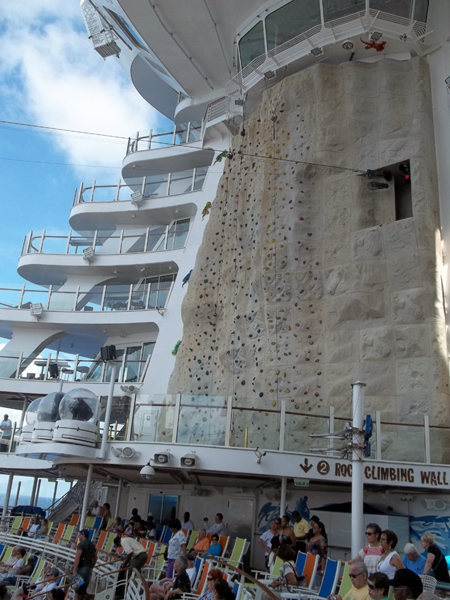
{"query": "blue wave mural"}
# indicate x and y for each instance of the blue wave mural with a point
(438, 526)
(272, 511)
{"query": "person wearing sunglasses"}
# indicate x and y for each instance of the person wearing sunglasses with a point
(214, 576)
(390, 561)
(360, 590)
(215, 548)
(371, 553)
(378, 586)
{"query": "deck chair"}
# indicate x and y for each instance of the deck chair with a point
(16, 525)
(67, 534)
(159, 532)
(223, 541)
(101, 540)
(198, 566)
(327, 587)
(97, 522)
(25, 523)
(346, 582)
(157, 569)
(191, 541)
(202, 581)
(59, 533)
(237, 553)
(89, 523)
(74, 519)
(38, 568)
(109, 542)
(150, 552)
(166, 536)
(272, 574)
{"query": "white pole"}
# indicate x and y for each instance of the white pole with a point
(33, 492)
(38, 489)
(7, 495)
(86, 496)
(24, 410)
(19, 485)
(283, 496)
(54, 492)
(119, 494)
(357, 468)
(112, 382)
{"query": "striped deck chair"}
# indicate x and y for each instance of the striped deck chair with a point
(66, 538)
(150, 552)
(191, 541)
(101, 540)
(201, 583)
(110, 522)
(49, 530)
(38, 568)
(309, 572)
(327, 586)
(109, 542)
(156, 570)
(223, 541)
(346, 582)
(97, 523)
(166, 536)
(74, 519)
(159, 532)
(237, 552)
(59, 533)
(8, 553)
(25, 524)
(89, 523)
(16, 525)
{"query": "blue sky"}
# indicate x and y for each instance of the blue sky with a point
(50, 75)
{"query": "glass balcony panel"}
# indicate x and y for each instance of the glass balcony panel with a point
(297, 430)
(421, 10)
(120, 417)
(132, 363)
(133, 243)
(402, 443)
(181, 131)
(54, 244)
(253, 427)
(202, 420)
(200, 175)
(9, 298)
(439, 437)
(159, 140)
(107, 244)
(91, 300)
(147, 352)
(95, 371)
(139, 297)
(335, 9)
(290, 20)
(195, 131)
(116, 297)
(34, 297)
(78, 243)
(88, 366)
(62, 301)
(156, 186)
(252, 44)
(156, 239)
(177, 234)
(126, 189)
(401, 8)
(180, 182)
(105, 193)
(119, 374)
(153, 422)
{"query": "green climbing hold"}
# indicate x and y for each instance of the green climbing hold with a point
(177, 345)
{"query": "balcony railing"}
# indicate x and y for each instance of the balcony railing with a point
(183, 133)
(151, 186)
(242, 423)
(152, 239)
(152, 295)
(52, 368)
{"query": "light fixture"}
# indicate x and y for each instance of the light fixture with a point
(259, 455)
(126, 452)
(404, 37)
(137, 198)
(88, 253)
(36, 309)
(147, 472)
(162, 458)
(348, 45)
(316, 52)
(268, 75)
(161, 310)
(240, 101)
(375, 36)
(130, 388)
(189, 460)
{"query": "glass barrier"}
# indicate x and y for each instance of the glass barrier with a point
(297, 430)
(402, 443)
(153, 421)
(10, 297)
(439, 437)
(253, 427)
(202, 420)
(34, 297)
(120, 417)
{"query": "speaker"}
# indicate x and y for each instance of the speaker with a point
(108, 353)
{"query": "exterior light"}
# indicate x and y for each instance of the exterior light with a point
(348, 45)
(88, 253)
(270, 75)
(137, 198)
(36, 310)
(375, 36)
(316, 52)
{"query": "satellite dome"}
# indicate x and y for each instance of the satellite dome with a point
(31, 414)
(48, 407)
(80, 405)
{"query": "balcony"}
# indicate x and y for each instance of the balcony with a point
(183, 133)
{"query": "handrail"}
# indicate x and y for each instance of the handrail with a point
(182, 131)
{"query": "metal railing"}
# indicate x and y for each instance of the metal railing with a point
(152, 186)
(151, 239)
(107, 298)
(182, 133)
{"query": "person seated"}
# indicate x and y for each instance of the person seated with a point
(191, 570)
(288, 572)
(201, 544)
(18, 564)
(95, 510)
(172, 589)
(360, 590)
(140, 529)
(8, 563)
(222, 591)
(32, 528)
(46, 582)
(151, 527)
(116, 526)
(215, 548)
(378, 586)
(42, 529)
(26, 570)
(214, 575)
(412, 559)
(106, 515)
(134, 514)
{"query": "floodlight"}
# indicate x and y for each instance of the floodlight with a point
(375, 36)
(316, 52)
(36, 309)
(348, 45)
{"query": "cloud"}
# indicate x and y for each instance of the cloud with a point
(52, 76)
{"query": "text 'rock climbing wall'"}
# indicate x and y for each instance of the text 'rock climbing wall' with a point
(305, 281)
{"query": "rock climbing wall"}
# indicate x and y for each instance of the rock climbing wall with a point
(305, 281)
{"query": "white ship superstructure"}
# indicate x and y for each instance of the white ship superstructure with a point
(224, 430)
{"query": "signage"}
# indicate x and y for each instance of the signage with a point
(301, 482)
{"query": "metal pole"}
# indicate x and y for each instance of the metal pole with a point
(38, 489)
(8, 494)
(112, 383)
(119, 494)
(24, 410)
(19, 485)
(33, 492)
(86, 496)
(54, 492)
(283, 496)
(357, 468)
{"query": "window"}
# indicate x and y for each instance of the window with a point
(177, 235)
(180, 182)
(162, 507)
(199, 179)
(290, 20)
(126, 29)
(400, 8)
(159, 290)
(252, 45)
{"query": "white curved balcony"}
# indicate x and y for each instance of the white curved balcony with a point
(159, 153)
(160, 197)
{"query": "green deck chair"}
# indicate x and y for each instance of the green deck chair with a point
(192, 539)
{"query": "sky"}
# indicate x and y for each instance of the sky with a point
(50, 75)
